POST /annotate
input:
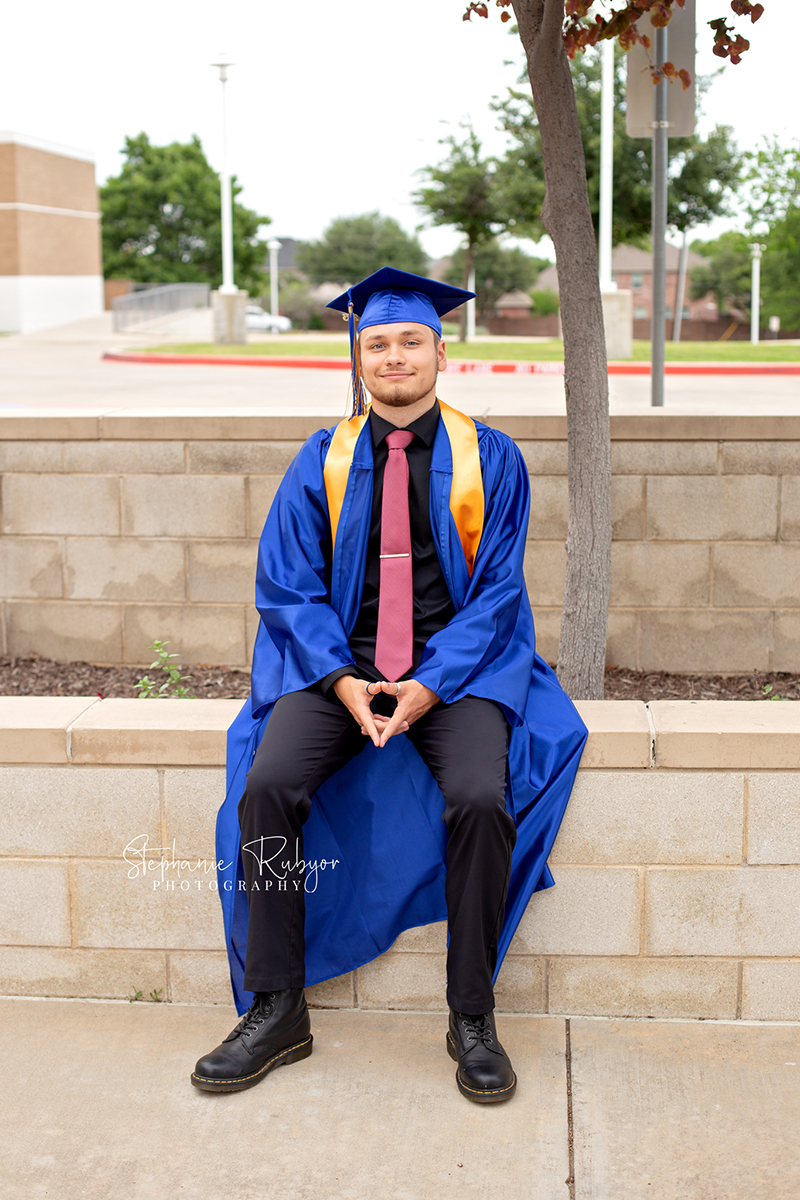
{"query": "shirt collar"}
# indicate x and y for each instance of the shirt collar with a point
(424, 427)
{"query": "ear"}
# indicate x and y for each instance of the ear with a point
(442, 363)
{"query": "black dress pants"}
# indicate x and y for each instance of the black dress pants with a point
(308, 737)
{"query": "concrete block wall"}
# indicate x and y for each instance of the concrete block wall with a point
(117, 530)
(677, 867)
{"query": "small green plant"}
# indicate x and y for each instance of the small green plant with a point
(767, 690)
(137, 995)
(169, 690)
(155, 995)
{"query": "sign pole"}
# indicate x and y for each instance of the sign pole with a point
(658, 319)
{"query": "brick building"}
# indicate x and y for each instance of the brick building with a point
(50, 254)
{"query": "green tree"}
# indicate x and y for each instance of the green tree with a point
(772, 182)
(780, 271)
(161, 219)
(727, 274)
(498, 269)
(704, 171)
(461, 192)
(551, 33)
(353, 247)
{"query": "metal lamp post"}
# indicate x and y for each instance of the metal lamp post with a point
(228, 286)
(273, 245)
(607, 283)
(756, 250)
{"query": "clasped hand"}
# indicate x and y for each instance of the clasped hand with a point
(413, 702)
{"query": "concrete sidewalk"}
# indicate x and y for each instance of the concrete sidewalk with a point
(98, 1104)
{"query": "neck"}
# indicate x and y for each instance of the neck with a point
(404, 416)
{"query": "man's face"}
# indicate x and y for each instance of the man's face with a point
(400, 362)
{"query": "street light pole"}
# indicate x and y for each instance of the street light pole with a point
(756, 250)
(658, 319)
(273, 245)
(228, 286)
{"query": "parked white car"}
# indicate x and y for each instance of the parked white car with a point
(263, 322)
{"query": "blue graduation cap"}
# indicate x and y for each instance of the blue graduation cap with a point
(387, 297)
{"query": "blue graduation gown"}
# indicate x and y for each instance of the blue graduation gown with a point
(379, 818)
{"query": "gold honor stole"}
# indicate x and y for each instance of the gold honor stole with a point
(466, 489)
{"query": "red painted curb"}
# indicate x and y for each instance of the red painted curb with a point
(454, 367)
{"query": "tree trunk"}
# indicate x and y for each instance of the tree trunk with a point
(469, 261)
(567, 218)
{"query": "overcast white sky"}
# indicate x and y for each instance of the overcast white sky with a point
(332, 106)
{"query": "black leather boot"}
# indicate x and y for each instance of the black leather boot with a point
(484, 1073)
(274, 1031)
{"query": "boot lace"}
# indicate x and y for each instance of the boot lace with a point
(258, 1011)
(477, 1029)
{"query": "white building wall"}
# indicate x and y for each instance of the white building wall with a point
(31, 302)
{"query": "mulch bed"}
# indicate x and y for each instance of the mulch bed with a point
(35, 676)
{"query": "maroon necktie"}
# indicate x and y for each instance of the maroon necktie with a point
(395, 639)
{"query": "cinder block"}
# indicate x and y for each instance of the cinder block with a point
(61, 504)
(124, 458)
(423, 939)
(33, 729)
(622, 638)
(712, 508)
(749, 576)
(200, 977)
(664, 458)
(170, 732)
(771, 991)
(97, 974)
(222, 571)
(545, 571)
(192, 797)
(30, 568)
(641, 987)
(549, 505)
(591, 910)
(787, 641)
(182, 912)
(85, 811)
(203, 633)
(790, 507)
(241, 458)
(415, 981)
(261, 493)
(65, 630)
(619, 734)
(773, 817)
(333, 993)
(741, 911)
(520, 985)
(29, 456)
(34, 903)
(704, 640)
(653, 817)
(760, 458)
(726, 734)
(182, 506)
(649, 575)
(125, 569)
(627, 503)
(544, 458)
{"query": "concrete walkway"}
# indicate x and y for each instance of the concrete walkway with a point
(63, 369)
(98, 1104)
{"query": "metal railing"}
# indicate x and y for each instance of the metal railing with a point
(137, 307)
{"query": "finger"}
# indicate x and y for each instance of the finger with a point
(395, 726)
(367, 720)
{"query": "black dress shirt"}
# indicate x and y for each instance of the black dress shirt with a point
(433, 607)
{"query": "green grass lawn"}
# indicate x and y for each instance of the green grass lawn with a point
(552, 351)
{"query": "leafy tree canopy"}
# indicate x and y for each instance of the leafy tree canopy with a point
(727, 274)
(704, 172)
(353, 247)
(161, 219)
(780, 271)
(498, 269)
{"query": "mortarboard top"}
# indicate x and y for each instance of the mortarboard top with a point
(388, 297)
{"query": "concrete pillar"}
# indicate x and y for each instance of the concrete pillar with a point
(229, 314)
(618, 321)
